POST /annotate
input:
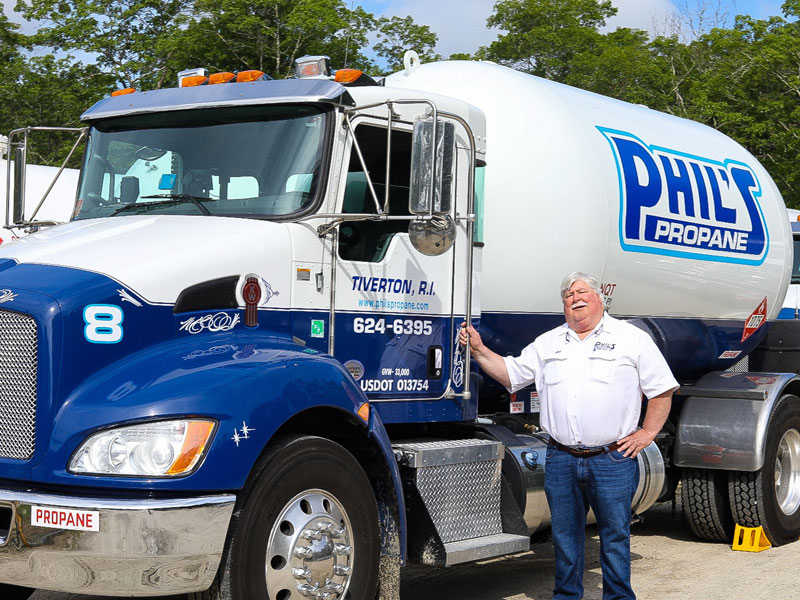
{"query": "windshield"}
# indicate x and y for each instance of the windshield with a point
(254, 161)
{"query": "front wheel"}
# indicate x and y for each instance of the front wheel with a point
(308, 527)
(770, 497)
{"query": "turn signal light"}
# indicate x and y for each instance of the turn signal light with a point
(194, 445)
(123, 92)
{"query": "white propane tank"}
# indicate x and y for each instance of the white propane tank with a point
(675, 219)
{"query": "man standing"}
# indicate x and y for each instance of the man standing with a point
(590, 373)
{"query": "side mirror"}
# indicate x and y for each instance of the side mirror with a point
(19, 186)
(432, 166)
(431, 193)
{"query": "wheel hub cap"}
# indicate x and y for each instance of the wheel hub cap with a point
(787, 472)
(310, 553)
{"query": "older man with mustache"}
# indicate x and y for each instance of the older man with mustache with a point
(591, 373)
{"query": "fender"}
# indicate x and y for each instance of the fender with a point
(249, 382)
(392, 544)
(723, 423)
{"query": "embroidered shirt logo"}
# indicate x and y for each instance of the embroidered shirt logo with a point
(603, 346)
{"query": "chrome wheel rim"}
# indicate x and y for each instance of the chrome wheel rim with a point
(787, 472)
(310, 552)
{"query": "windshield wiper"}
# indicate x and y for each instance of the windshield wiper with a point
(168, 199)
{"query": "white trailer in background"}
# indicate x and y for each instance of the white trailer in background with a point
(57, 206)
(50, 194)
(791, 303)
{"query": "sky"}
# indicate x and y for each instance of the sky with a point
(461, 24)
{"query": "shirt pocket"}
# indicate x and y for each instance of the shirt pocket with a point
(554, 371)
(604, 367)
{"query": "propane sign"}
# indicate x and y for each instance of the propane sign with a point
(64, 518)
(678, 204)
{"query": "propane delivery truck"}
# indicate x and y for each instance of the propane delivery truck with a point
(235, 373)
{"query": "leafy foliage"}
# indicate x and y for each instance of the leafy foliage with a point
(398, 35)
(269, 35)
(543, 36)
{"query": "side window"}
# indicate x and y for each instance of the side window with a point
(368, 240)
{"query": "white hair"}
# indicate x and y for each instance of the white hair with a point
(570, 280)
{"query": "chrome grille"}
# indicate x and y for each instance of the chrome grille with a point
(18, 367)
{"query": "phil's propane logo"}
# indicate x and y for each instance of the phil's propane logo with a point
(677, 204)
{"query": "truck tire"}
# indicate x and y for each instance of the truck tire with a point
(309, 521)
(14, 592)
(770, 497)
(705, 501)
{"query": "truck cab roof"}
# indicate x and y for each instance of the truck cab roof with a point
(210, 96)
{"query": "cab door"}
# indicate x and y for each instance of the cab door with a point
(397, 311)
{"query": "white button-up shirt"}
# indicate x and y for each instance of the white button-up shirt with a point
(591, 389)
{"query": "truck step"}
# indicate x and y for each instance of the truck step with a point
(459, 483)
(488, 546)
(454, 491)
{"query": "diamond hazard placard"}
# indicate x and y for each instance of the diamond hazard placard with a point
(755, 320)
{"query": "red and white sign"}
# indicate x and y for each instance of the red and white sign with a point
(516, 407)
(755, 320)
(65, 518)
(730, 354)
(761, 380)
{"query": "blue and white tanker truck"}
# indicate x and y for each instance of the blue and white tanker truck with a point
(235, 372)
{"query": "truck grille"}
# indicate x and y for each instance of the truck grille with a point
(18, 367)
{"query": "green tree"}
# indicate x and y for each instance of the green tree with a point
(122, 36)
(397, 35)
(11, 41)
(624, 65)
(45, 91)
(543, 36)
(269, 35)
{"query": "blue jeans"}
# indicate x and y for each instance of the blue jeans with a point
(606, 483)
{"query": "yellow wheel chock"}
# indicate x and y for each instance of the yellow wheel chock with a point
(750, 539)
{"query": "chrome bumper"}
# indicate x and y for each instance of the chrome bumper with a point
(141, 547)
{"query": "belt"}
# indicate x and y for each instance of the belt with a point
(584, 452)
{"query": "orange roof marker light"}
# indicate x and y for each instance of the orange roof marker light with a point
(254, 75)
(353, 78)
(347, 75)
(183, 75)
(194, 80)
(123, 92)
(224, 77)
(313, 66)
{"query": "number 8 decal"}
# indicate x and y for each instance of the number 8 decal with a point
(103, 323)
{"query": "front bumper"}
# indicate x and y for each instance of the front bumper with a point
(140, 547)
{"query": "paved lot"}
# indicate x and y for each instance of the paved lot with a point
(668, 564)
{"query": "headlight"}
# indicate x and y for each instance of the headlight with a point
(165, 448)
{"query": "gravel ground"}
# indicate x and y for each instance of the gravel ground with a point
(668, 564)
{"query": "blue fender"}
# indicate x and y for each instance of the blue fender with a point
(248, 382)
